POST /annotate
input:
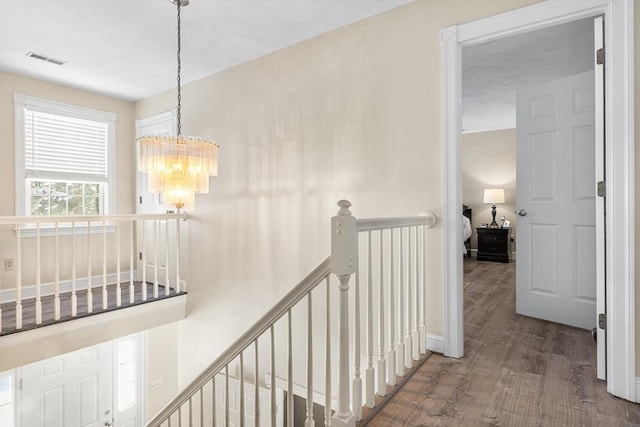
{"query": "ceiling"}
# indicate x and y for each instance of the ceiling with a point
(127, 48)
(492, 72)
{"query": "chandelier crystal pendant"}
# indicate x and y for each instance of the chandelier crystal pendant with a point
(180, 166)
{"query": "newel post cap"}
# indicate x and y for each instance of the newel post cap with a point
(344, 206)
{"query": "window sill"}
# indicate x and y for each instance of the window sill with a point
(50, 231)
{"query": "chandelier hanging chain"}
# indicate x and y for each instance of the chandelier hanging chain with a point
(178, 166)
(179, 69)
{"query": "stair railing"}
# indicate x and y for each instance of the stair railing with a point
(393, 252)
(65, 267)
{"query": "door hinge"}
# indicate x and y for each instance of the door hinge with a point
(602, 321)
(140, 255)
(602, 189)
(20, 384)
(140, 199)
(600, 56)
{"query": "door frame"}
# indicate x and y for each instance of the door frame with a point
(619, 148)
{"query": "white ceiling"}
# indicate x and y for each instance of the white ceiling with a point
(127, 48)
(493, 71)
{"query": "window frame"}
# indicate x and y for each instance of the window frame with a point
(21, 103)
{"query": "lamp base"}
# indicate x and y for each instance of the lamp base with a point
(493, 224)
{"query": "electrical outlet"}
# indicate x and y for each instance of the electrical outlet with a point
(9, 264)
(156, 384)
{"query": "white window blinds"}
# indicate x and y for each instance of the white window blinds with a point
(65, 147)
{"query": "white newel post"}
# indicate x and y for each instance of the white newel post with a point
(344, 250)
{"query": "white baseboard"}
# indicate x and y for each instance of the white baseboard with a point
(8, 295)
(435, 343)
(637, 389)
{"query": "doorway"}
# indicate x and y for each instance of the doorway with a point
(619, 166)
(94, 386)
(529, 100)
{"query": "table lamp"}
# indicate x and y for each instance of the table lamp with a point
(493, 196)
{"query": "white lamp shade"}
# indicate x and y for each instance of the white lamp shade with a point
(493, 195)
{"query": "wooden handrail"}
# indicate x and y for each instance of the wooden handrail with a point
(13, 220)
(428, 219)
(305, 286)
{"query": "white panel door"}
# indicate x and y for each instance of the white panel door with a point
(73, 390)
(556, 256)
(151, 237)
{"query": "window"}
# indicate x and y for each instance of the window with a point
(64, 158)
(126, 372)
(6, 400)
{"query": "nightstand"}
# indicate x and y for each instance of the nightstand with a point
(493, 244)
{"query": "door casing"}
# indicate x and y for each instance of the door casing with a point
(620, 173)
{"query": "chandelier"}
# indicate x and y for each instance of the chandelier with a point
(180, 166)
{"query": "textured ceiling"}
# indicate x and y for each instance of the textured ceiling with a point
(126, 48)
(492, 72)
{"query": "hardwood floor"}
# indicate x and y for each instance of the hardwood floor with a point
(517, 371)
(29, 306)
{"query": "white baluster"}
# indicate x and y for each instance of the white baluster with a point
(357, 381)
(369, 372)
(400, 344)
(416, 302)
(273, 377)
(417, 342)
(309, 420)
(213, 401)
(177, 245)
(391, 362)
(18, 278)
(382, 369)
(118, 285)
(289, 371)
(226, 395)
(327, 357)
(38, 278)
(156, 243)
(423, 317)
(89, 281)
(407, 338)
(132, 291)
(201, 407)
(56, 284)
(105, 294)
(143, 261)
(74, 296)
(167, 286)
(256, 389)
(242, 388)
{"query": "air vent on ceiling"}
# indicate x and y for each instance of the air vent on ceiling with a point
(45, 58)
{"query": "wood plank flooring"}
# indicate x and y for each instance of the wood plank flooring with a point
(517, 371)
(29, 310)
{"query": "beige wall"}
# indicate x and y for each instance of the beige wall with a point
(637, 171)
(489, 161)
(353, 114)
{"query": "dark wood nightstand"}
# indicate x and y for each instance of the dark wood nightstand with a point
(493, 244)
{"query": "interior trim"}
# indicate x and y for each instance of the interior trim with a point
(620, 158)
